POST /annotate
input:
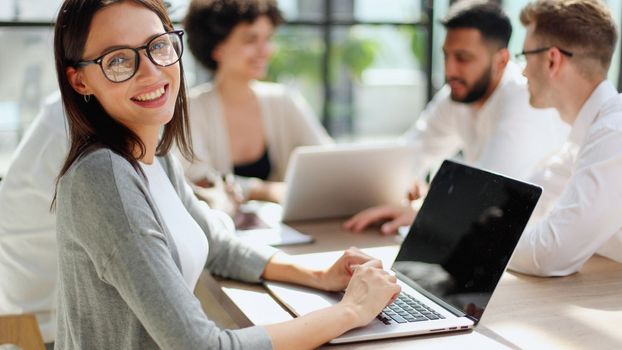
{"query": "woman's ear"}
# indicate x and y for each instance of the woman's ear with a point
(217, 54)
(76, 79)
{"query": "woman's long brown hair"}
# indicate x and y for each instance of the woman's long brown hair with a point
(90, 127)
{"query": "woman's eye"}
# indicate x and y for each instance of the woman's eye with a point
(159, 45)
(117, 61)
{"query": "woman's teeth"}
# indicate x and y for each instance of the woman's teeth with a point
(151, 95)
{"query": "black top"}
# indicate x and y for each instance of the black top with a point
(260, 168)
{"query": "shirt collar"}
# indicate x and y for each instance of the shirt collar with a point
(588, 112)
(511, 73)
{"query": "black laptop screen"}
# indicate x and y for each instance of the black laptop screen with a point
(464, 235)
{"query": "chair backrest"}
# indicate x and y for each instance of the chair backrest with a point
(22, 331)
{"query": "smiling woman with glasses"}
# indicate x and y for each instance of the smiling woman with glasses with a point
(132, 238)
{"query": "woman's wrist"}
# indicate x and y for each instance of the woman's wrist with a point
(350, 314)
(317, 279)
(283, 268)
(269, 191)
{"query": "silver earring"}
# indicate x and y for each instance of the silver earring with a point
(87, 98)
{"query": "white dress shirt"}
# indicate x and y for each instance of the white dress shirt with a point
(28, 263)
(579, 212)
(505, 135)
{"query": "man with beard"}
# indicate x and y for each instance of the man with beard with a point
(482, 112)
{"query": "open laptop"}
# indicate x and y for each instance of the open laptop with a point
(341, 180)
(450, 262)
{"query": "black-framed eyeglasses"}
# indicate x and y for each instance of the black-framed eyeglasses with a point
(121, 64)
(542, 49)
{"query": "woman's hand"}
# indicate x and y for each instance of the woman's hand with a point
(370, 290)
(338, 275)
(334, 278)
(269, 191)
(395, 216)
(418, 190)
(221, 194)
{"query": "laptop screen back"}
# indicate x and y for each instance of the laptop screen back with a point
(464, 235)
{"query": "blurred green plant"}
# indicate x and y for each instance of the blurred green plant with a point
(300, 54)
(418, 44)
(357, 54)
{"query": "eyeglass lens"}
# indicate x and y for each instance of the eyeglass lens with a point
(163, 50)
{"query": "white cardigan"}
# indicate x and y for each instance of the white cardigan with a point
(287, 118)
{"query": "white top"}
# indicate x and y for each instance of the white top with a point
(287, 119)
(505, 135)
(28, 263)
(190, 240)
(579, 212)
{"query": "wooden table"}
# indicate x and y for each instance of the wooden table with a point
(577, 312)
(21, 330)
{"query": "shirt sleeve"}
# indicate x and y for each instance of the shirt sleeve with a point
(130, 253)
(553, 178)
(585, 216)
(29, 184)
(28, 254)
(434, 135)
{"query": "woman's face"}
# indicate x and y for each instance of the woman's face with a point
(147, 100)
(246, 52)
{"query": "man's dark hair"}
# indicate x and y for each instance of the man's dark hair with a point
(209, 23)
(485, 16)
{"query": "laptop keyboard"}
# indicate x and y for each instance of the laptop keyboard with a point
(407, 309)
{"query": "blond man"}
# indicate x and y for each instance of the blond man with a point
(568, 49)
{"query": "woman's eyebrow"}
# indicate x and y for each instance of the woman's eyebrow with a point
(116, 47)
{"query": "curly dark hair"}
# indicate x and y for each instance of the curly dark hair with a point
(209, 23)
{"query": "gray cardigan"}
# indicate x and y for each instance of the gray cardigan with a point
(120, 285)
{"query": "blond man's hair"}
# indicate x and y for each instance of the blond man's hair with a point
(584, 27)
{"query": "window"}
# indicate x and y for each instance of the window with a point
(366, 67)
(362, 65)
